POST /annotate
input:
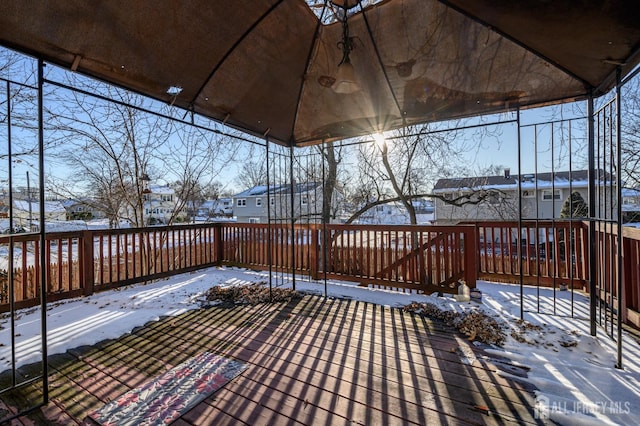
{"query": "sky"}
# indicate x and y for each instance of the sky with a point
(577, 384)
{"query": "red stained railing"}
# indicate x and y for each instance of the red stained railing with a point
(410, 258)
(547, 253)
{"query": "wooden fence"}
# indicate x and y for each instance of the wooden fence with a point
(412, 258)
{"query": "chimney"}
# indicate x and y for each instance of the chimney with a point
(507, 173)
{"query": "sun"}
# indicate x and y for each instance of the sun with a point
(380, 140)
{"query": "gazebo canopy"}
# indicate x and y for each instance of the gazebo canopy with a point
(267, 66)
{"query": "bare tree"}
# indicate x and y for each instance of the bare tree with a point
(110, 146)
(191, 156)
(332, 159)
(18, 106)
(630, 149)
(253, 172)
(402, 168)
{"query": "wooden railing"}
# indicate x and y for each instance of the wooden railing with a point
(80, 263)
(549, 253)
(423, 259)
(64, 272)
(401, 257)
(411, 258)
(417, 258)
(559, 256)
(606, 247)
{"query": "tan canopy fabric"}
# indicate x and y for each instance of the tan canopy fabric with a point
(266, 66)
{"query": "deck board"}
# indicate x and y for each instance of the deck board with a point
(310, 361)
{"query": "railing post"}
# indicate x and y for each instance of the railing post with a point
(470, 258)
(87, 269)
(313, 253)
(218, 244)
(626, 275)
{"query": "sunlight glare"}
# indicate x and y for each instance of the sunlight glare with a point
(380, 140)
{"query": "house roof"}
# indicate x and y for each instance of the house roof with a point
(257, 191)
(49, 206)
(161, 189)
(561, 179)
(209, 204)
(267, 66)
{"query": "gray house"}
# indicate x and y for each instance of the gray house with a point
(496, 197)
(251, 205)
(82, 208)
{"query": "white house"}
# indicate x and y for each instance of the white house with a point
(394, 213)
(159, 204)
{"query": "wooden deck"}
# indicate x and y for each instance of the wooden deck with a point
(311, 361)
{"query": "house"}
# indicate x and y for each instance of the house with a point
(630, 205)
(214, 208)
(394, 213)
(251, 205)
(496, 197)
(224, 207)
(391, 213)
(82, 209)
(159, 204)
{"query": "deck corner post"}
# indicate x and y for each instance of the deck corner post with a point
(87, 268)
(218, 244)
(470, 258)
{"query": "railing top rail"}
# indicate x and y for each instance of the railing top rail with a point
(34, 236)
(162, 228)
(407, 228)
(527, 223)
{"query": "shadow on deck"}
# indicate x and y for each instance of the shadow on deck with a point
(311, 361)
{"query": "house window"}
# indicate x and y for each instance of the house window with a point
(548, 195)
(241, 202)
(254, 220)
(304, 200)
(258, 202)
(272, 201)
(528, 193)
(450, 196)
(166, 197)
(494, 198)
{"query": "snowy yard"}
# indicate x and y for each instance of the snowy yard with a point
(573, 371)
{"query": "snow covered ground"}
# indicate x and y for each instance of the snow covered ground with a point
(574, 372)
